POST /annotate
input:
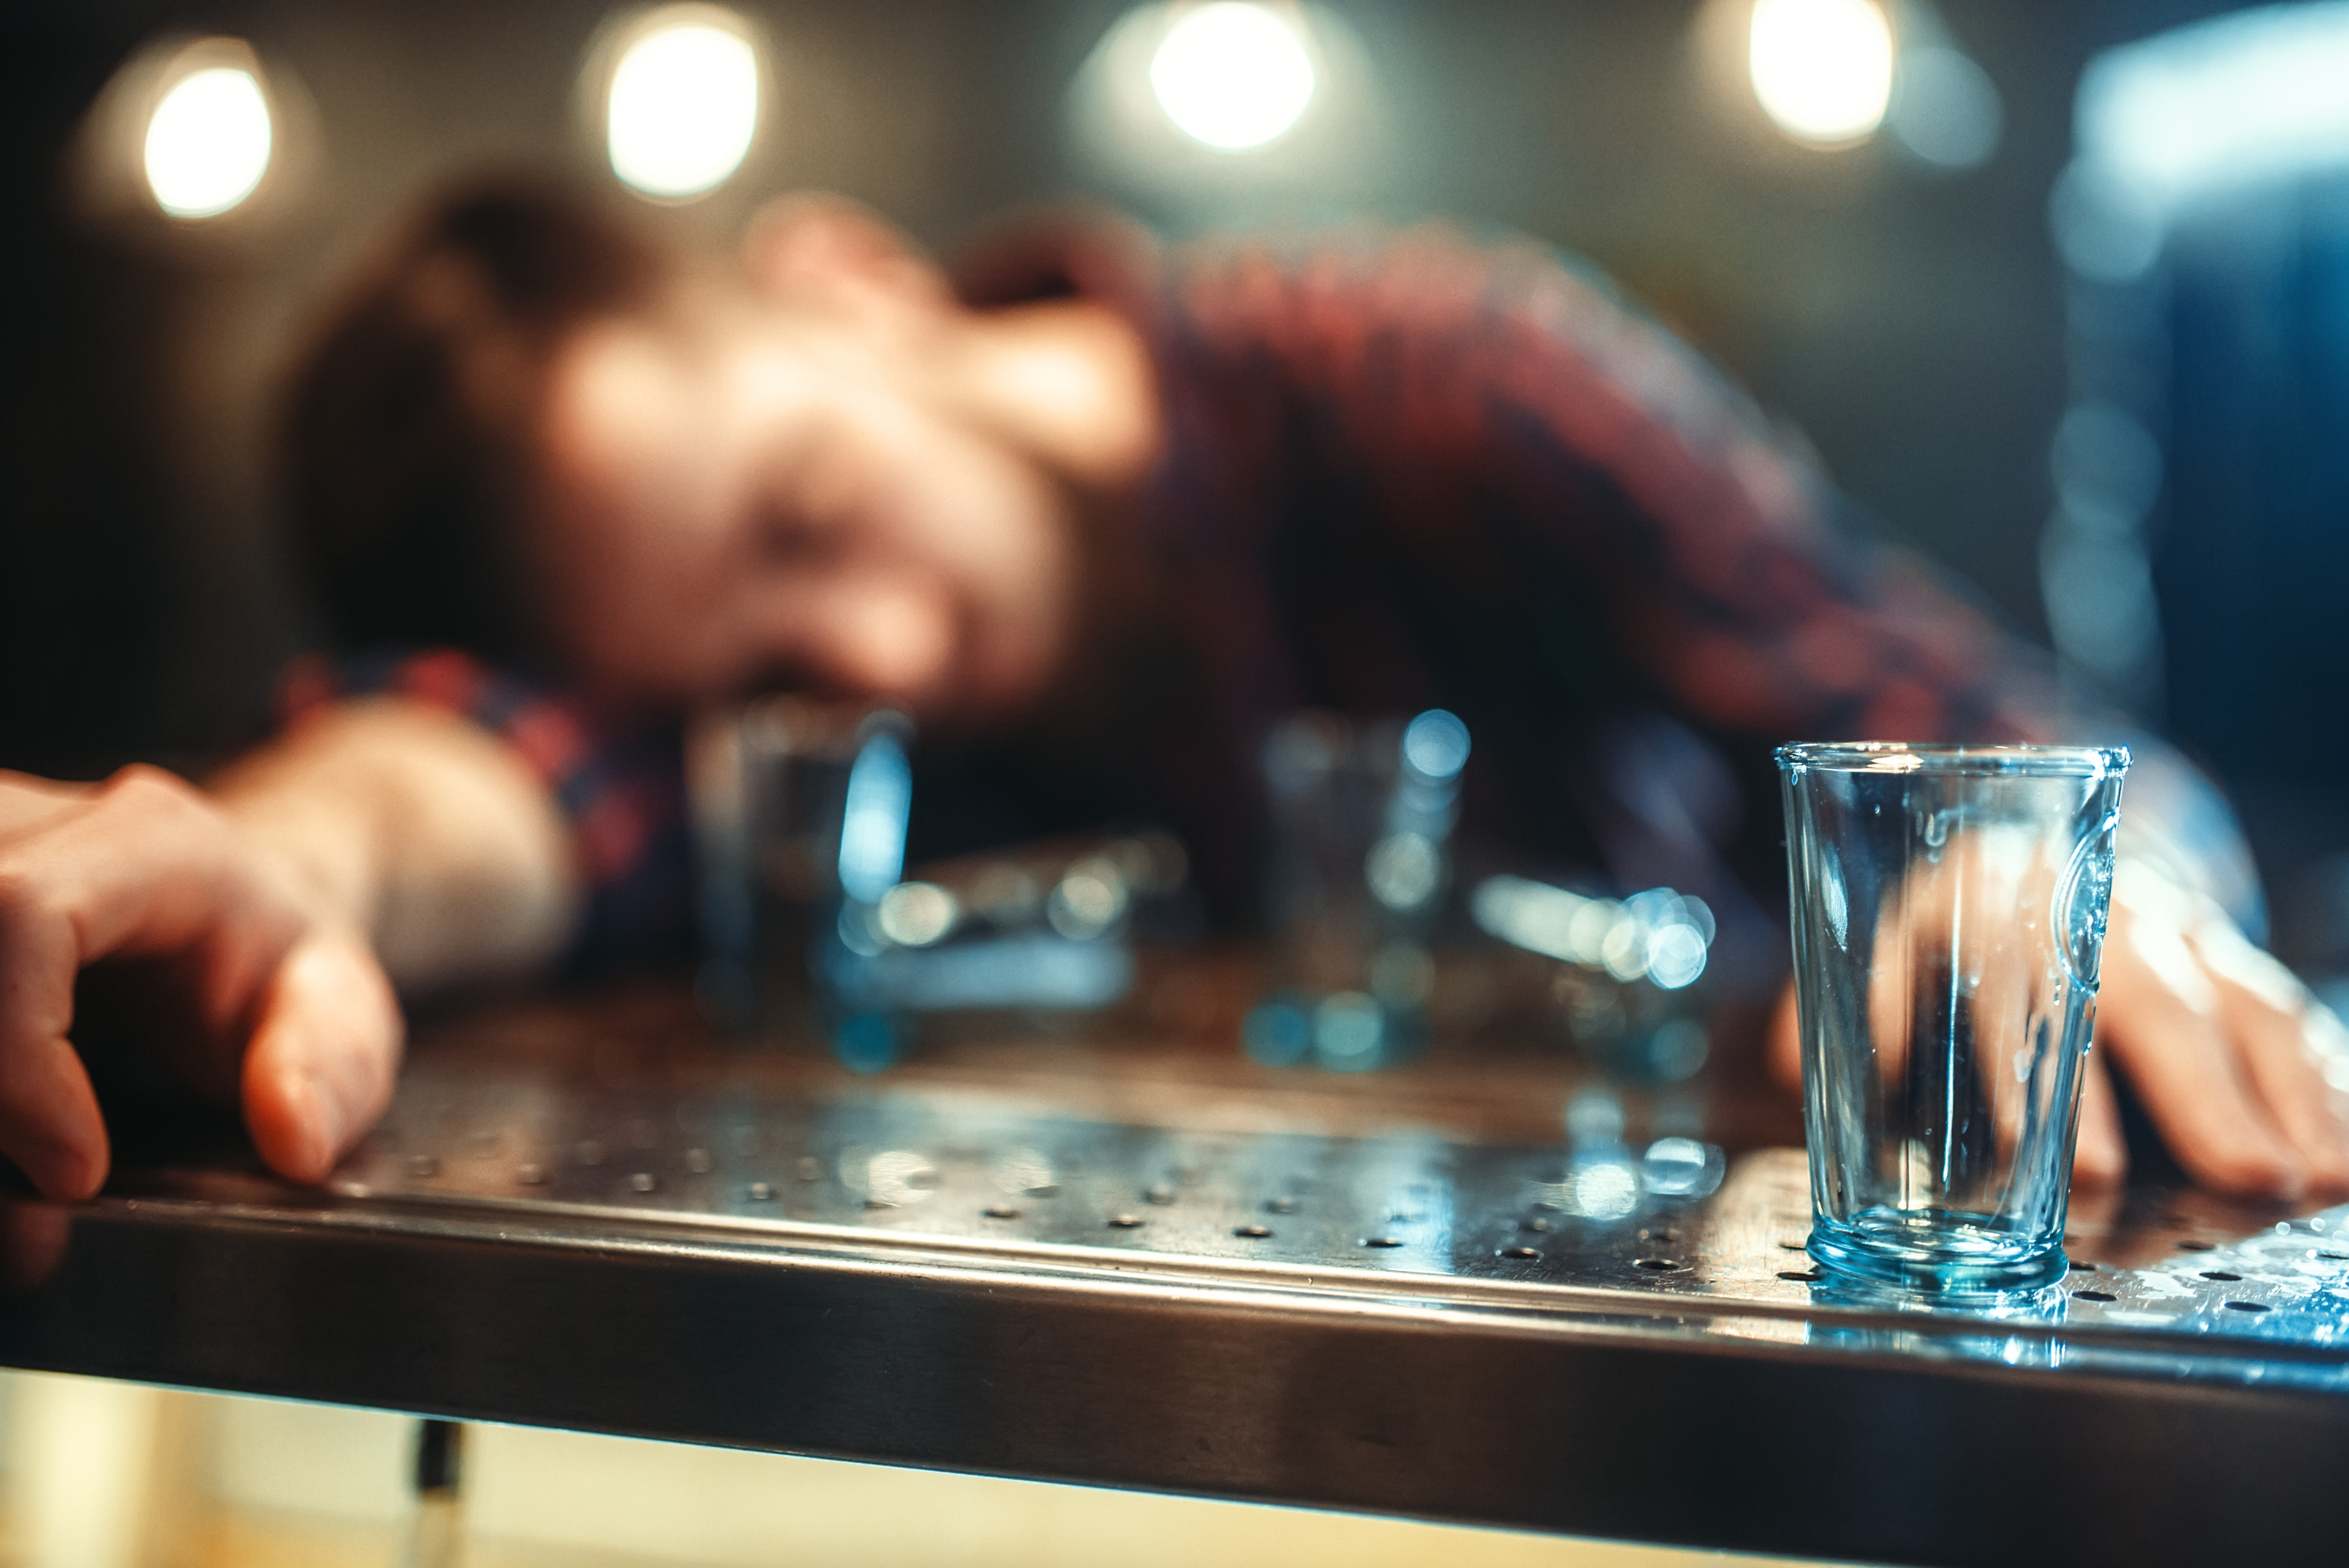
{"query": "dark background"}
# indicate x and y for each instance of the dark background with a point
(1910, 323)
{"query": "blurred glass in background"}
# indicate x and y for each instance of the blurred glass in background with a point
(813, 931)
(1358, 872)
(769, 785)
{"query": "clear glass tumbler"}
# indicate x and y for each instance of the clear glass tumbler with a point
(782, 833)
(1948, 915)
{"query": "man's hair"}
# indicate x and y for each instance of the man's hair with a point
(408, 423)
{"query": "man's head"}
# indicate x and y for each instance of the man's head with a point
(537, 433)
(411, 415)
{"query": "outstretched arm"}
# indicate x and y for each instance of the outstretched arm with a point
(257, 929)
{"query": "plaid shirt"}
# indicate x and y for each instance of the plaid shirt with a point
(622, 790)
(1410, 470)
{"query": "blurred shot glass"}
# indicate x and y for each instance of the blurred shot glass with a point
(798, 808)
(1949, 918)
(1361, 816)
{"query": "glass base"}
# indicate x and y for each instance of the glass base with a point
(1939, 1253)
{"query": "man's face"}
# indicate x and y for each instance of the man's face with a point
(732, 493)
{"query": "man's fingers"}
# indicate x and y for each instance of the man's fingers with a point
(2269, 1019)
(144, 865)
(2101, 1156)
(49, 1120)
(320, 1068)
(140, 867)
(33, 1242)
(67, 897)
(1786, 1047)
(2161, 1016)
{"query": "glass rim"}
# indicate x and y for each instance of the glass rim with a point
(1945, 759)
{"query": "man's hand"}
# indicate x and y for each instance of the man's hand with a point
(259, 992)
(244, 935)
(2244, 1074)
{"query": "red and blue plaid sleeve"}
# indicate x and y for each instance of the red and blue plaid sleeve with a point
(620, 789)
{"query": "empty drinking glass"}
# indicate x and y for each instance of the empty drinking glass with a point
(1949, 917)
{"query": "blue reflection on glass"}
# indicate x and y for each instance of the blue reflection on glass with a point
(873, 830)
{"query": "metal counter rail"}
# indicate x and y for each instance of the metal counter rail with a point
(642, 1233)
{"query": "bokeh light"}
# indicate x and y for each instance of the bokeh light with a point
(207, 143)
(683, 104)
(1232, 75)
(1089, 899)
(1404, 870)
(1945, 109)
(1436, 744)
(2251, 95)
(1658, 936)
(917, 914)
(1822, 68)
(1348, 1030)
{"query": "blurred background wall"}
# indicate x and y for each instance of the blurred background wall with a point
(1904, 309)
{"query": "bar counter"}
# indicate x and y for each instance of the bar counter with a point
(1122, 1254)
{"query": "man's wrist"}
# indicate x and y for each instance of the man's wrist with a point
(320, 852)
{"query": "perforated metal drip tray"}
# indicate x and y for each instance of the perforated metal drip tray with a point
(1673, 1236)
(1154, 1265)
